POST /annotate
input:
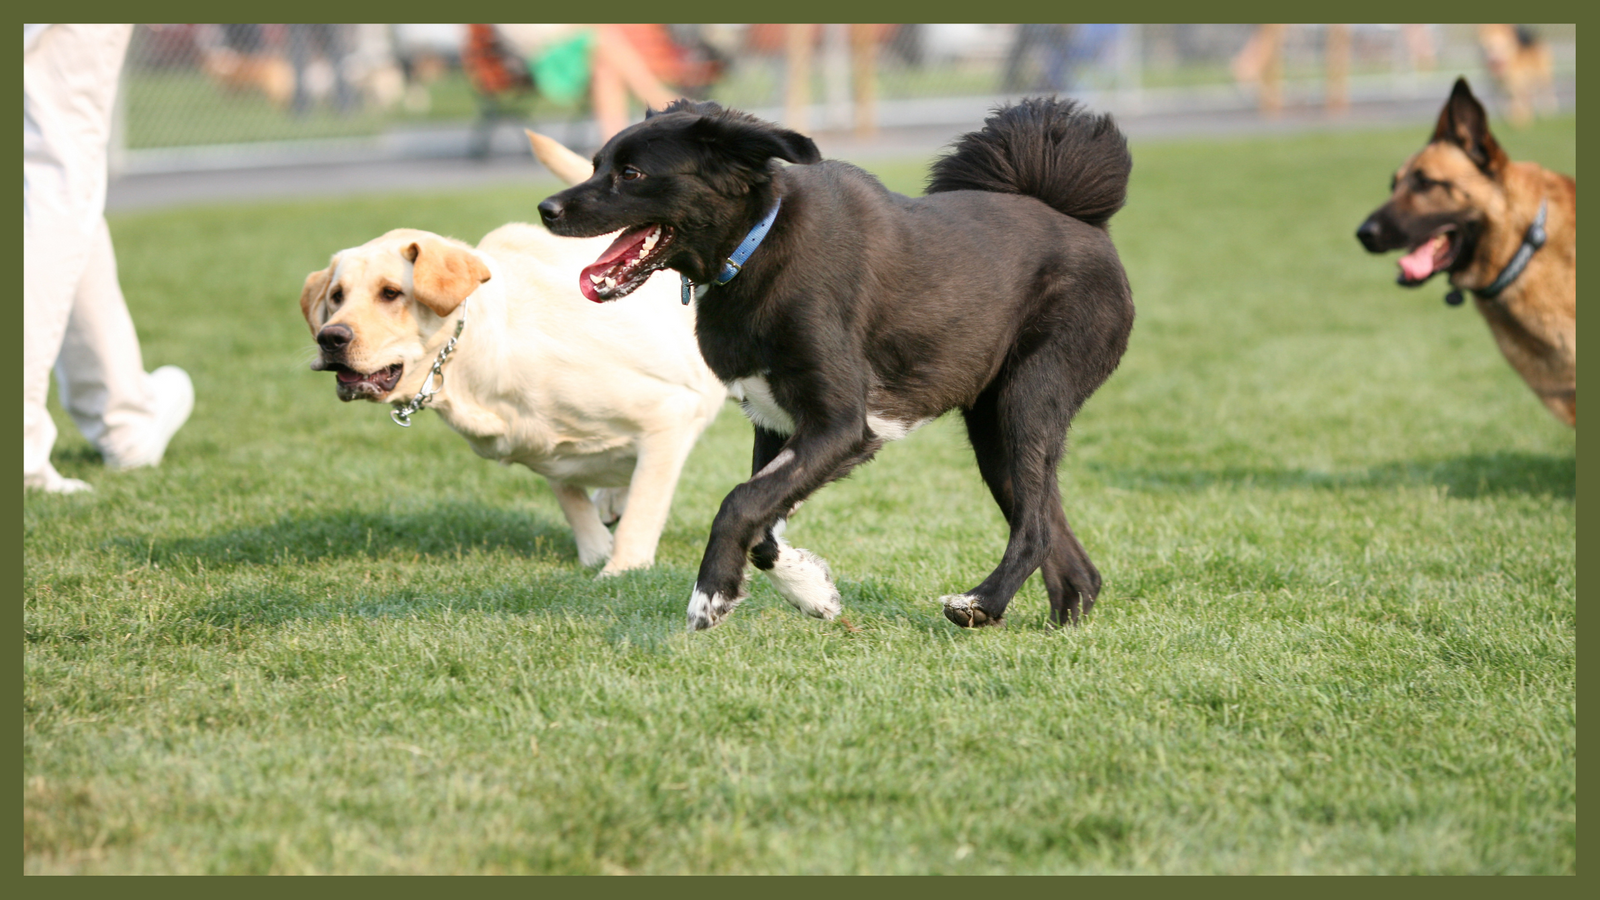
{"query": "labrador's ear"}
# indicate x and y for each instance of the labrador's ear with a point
(442, 274)
(567, 165)
(315, 289)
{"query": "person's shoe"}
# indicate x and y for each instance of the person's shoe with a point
(52, 482)
(174, 400)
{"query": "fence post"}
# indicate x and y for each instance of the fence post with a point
(864, 59)
(1130, 62)
(797, 92)
(836, 76)
(1337, 96)
(1271, 69)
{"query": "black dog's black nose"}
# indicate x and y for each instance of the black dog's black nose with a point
(335, 337)
(550, 210)
(1368, 234)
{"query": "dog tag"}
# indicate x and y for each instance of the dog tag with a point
(692, 291)
(1454, 298)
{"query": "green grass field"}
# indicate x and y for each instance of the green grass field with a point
(1337, 633)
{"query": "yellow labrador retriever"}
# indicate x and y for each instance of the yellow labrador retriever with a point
(528, 371)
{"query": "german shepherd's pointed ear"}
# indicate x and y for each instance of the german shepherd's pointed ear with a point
(567, 166)
(316, 287)
(1464, 123)
(443, 275)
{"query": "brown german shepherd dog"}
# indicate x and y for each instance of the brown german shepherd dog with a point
(1506, 231)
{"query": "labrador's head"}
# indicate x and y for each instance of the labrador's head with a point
(376, 308)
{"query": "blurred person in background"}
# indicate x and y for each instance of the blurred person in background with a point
(74, 316)
(1047, 39)
(566, 60)
(333, 43)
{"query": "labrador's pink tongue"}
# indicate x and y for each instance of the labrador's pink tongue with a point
(608, 260)
(1418, 264)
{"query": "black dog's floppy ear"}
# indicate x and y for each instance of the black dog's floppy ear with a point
(1464, 123)
(751, 141)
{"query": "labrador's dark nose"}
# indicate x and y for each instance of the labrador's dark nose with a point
(334, 338)
(550, 210)
(1369, 235)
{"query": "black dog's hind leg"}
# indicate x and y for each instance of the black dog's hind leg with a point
(751, 520)
(1018, 432)
(1070, 578)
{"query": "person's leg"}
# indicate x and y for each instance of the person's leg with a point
(127, 415)
(610, 100)
(617, 66)
(69, 84)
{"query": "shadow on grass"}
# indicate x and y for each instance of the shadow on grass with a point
(73, 456)
(641, 610)
(445, 530)
(565, 596)
(1468, 477)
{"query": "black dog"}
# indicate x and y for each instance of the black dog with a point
(864, 314)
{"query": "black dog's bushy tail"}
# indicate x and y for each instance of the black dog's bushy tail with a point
(1046, 148)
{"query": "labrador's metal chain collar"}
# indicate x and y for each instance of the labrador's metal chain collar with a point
(435, 380)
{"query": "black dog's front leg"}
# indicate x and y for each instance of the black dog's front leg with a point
(744, 527)
(768, 444)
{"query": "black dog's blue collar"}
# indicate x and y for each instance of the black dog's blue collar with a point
(734, 264)
(1531, 241)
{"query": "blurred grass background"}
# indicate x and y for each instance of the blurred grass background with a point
(1337, 634)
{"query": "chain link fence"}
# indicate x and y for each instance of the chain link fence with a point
(203, 95)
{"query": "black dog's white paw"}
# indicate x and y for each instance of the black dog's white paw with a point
(708, 610)
(963, 609)
(804, 579)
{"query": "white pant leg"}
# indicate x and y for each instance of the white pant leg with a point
(69, 84)
(100, 371)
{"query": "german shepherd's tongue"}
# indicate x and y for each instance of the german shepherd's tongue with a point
(1423, 261)
(608, 277)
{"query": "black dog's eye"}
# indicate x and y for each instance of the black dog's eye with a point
(1394, 182)
(629, 173)
(390, 293)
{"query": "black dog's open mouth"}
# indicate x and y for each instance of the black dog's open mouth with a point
(1430, 257)
(373, 385)
(626, 264)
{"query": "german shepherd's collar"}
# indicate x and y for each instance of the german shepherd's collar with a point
(1506, 231)
(1531, 242)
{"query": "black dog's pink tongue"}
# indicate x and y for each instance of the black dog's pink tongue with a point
(600, 277)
